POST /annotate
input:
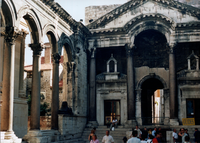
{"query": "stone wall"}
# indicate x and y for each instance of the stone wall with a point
(81, 97)
(71, 126)
(95, 12)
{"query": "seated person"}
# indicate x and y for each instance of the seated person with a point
(114, 123)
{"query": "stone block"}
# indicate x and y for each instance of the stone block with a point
(169, 137)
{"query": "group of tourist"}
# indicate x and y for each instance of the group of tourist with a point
(148, 136)
(183, 136)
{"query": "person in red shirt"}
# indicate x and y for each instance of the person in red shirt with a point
(157, 138)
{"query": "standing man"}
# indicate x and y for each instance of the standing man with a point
(145, 133)
(139, 133)
(154, 132)
(134, 139)
(175, 136)
(197, 135)
(107, 138)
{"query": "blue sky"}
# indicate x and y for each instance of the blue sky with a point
(76, 8)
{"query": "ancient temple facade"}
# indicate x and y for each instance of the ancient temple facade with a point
(138, 62)
(150, 43)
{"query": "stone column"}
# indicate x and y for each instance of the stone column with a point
(138, 106)
(92, 103)
(35, 95)
(21, 73)
(172, 84)
(2, 44)
(11, 33)
(55, 92)
(130, 83)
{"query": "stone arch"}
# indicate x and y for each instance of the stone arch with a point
(49, 30)
(139, 84)
(150, 25)
(32, 21)
(65, 41)
(8, 13)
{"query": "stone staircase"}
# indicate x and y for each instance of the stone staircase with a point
(117, 135)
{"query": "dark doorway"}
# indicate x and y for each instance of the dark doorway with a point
(111, 110)
(151, 101)
(193, 106)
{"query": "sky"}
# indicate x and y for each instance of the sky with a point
(76, 8)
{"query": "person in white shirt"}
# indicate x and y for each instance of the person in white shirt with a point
(134, 139)
(107, 138)
(175, 136)
(138, 131)
(114, 123)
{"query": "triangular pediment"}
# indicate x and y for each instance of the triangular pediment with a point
(170, 11)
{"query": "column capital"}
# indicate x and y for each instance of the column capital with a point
(93, 52)
(56, 58)
(37, 48)
(129, 49)
(171, 47)
(10, 34)
(69, 66)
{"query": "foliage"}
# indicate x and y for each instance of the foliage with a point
(44, 108)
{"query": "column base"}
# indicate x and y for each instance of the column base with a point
(92, 124)
(8, 137)
(131, 123)
(173, 122)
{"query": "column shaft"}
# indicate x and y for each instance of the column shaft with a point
(130, 83)
(35, 95)
(1, 61)
(172, 84)
(55, 93)
(92, 106)
(6, 88)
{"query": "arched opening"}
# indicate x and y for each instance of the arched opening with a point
(68, 70)
(152, 101)
(151, 49)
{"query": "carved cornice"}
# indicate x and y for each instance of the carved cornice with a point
(56, 58)
(190, 25)
(56, 8)
(105, 19)
(37, 48)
